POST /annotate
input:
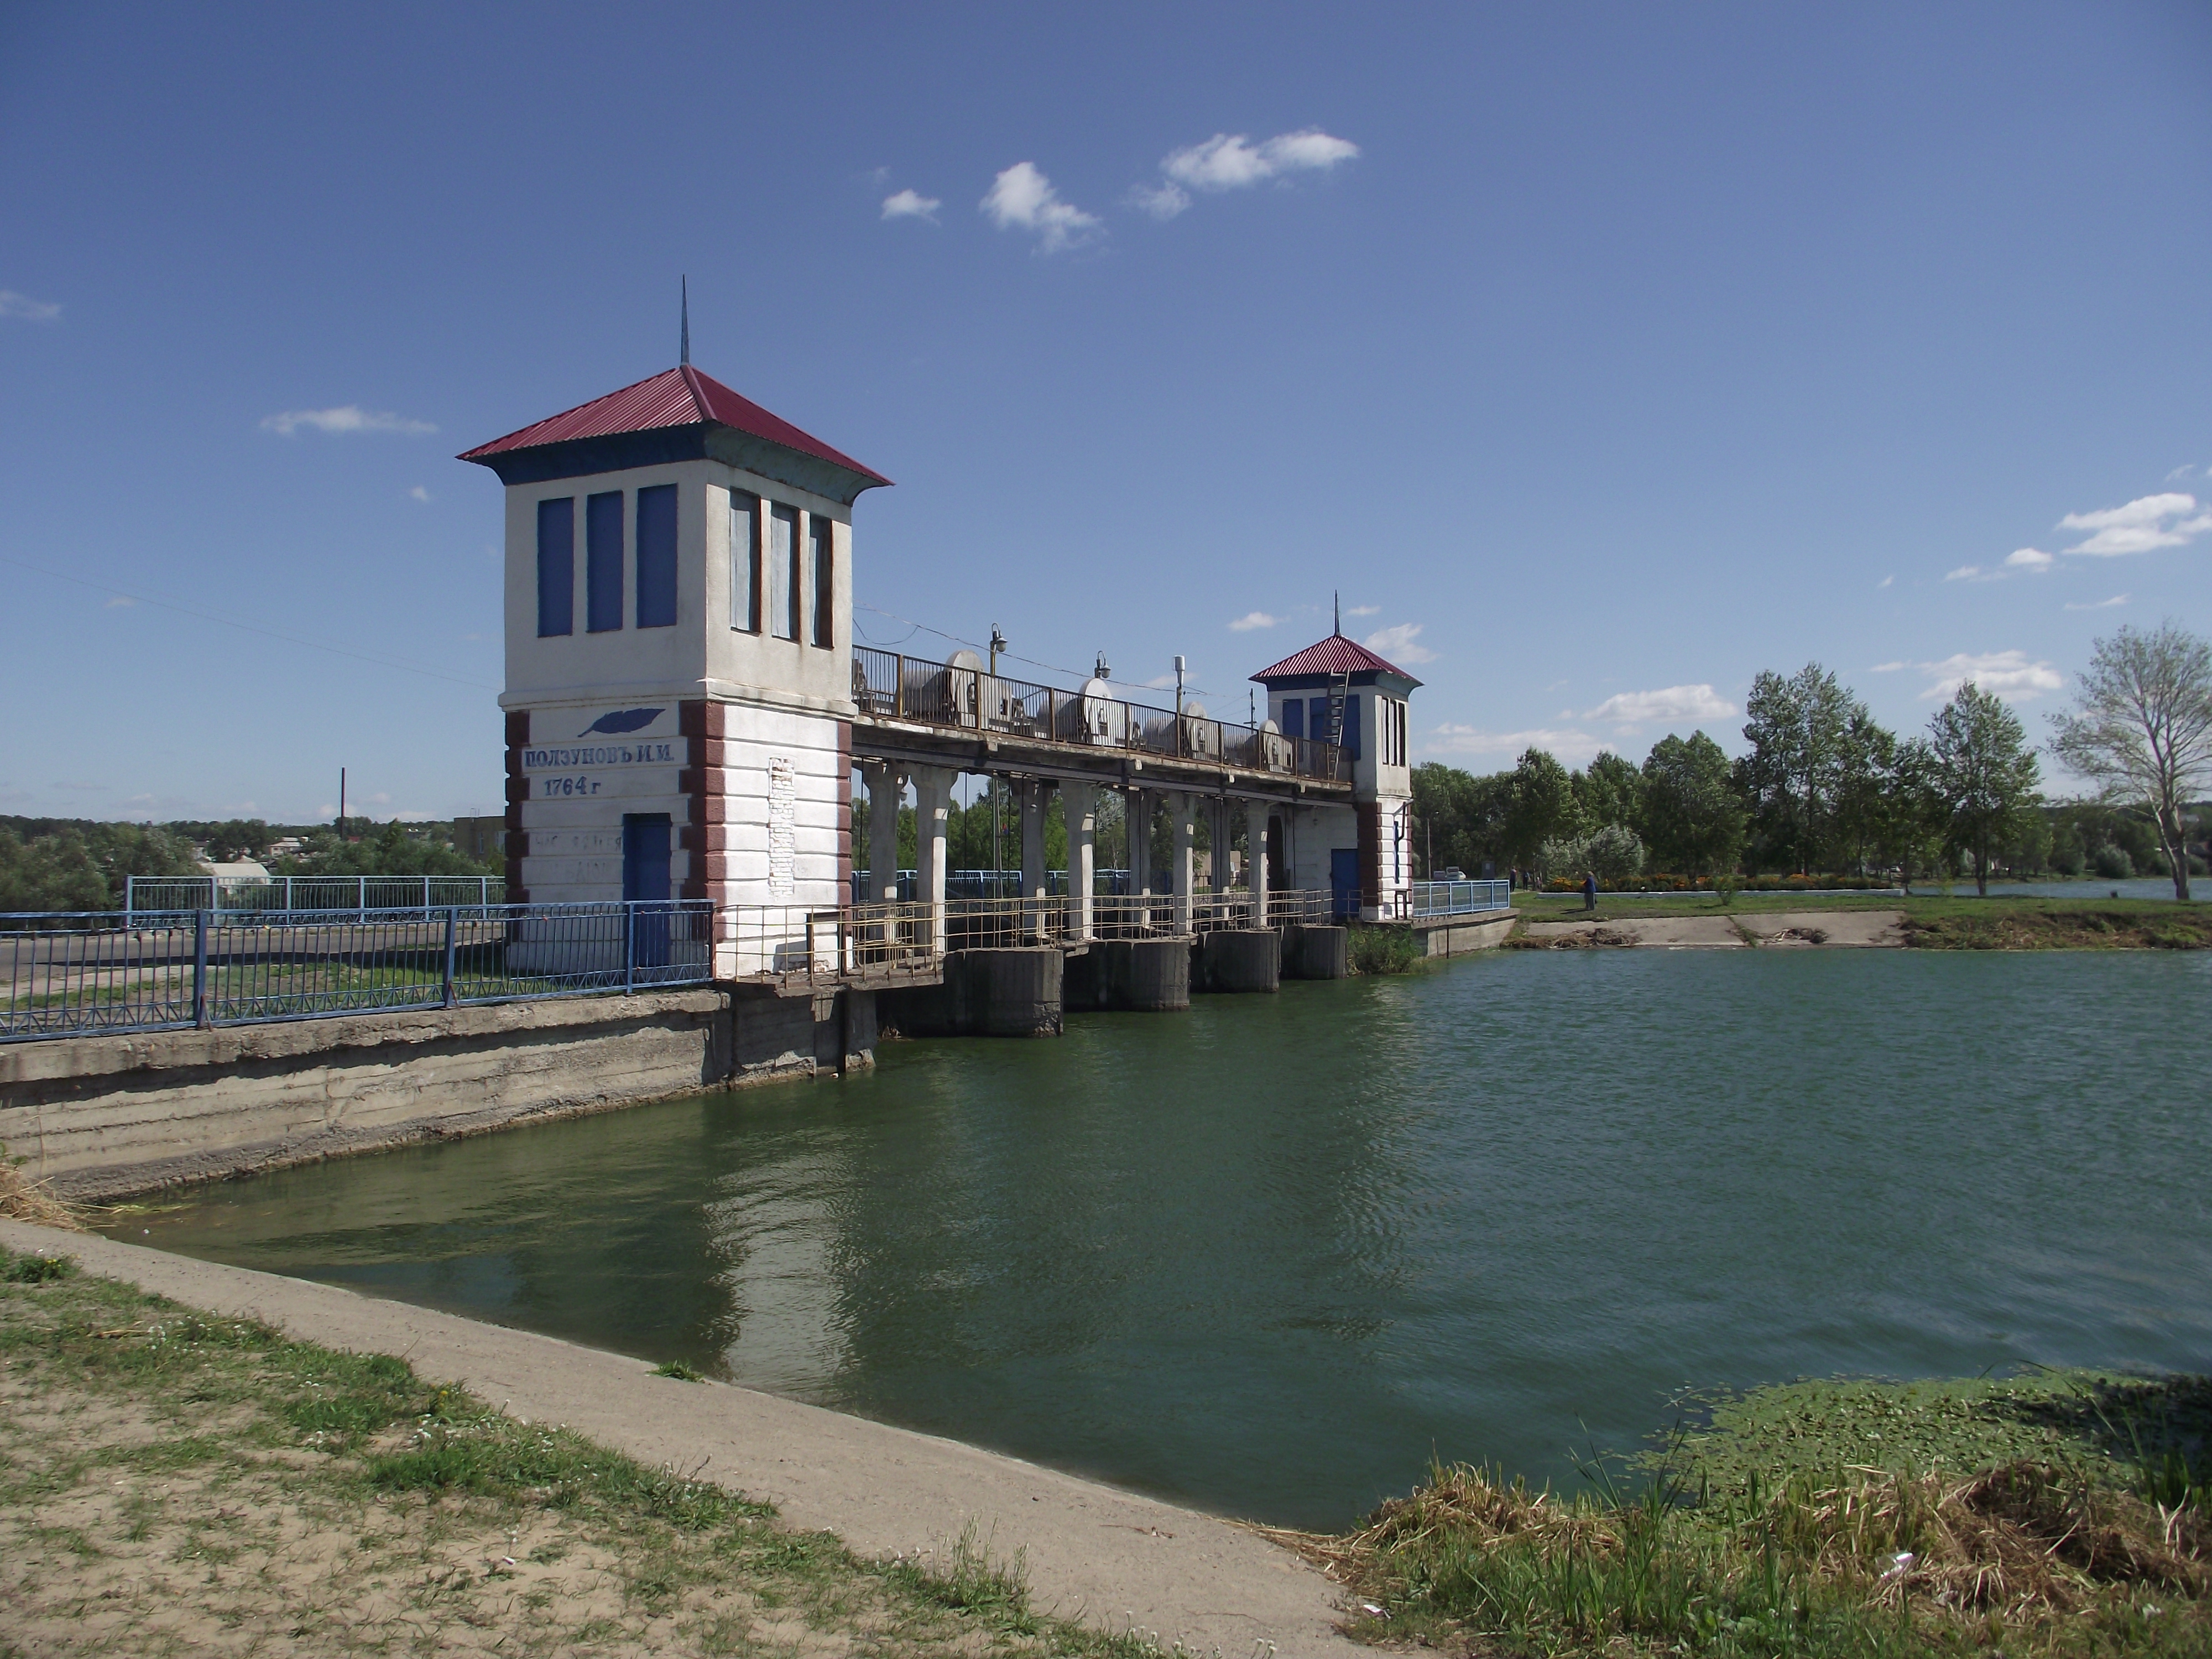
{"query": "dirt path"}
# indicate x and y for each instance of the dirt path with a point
(1107, 1558)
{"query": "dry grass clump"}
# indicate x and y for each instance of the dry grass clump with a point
(29, 1201)
(2024, 1538)
(1874, 1563)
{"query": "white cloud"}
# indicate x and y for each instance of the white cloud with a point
(1023, 198)
(1885, 582)
(911, 204)
(1252, 619)
(1396, 642)
(1160, 683)
(2100, 605)
(2028, 558)
(1965, 573)
(2141, 525)
(419, 493)
(1889, 667)
(1163, 202)
(1567, 743)
(120, 602)
(1363, 610)
(350, 418)
(2008, 674)
(13, 304)
(2181, 471)
(1676, 703)
(1232, 161)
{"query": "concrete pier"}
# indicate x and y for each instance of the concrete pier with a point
(1015, 992)
(1139, 975)
(1240, 960)
(1313, 952)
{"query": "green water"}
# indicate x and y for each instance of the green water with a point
(1267, 1256)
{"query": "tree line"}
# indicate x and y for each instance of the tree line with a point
(1823, 786)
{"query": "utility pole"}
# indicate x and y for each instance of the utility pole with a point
(997, 857)
(342, 805)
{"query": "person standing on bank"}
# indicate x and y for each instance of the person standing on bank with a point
(1589, 889)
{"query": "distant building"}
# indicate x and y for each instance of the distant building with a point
(481, 839)
(1338, 691)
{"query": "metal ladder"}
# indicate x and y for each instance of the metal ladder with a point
(1339, 685)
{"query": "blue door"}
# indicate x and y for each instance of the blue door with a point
(645, 882)
(1344, 881)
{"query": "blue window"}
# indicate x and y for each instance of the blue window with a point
(1294, 717)
(603, 561)
(557, 566)
(1317, 719)
(784, 576)
(1350, 739)
(656, 556)
(744, 562)
(820, 537)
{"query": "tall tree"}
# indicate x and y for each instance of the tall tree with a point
(1986, 771)
(1543, 805)
(1606, 794)
(1799, 730)
(1908, 819)
(1693, 818)
(2141, 730)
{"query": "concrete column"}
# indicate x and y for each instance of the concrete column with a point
(886, 786)
(1079, 807)
(932, 799)
(1033, 796)
(1179, 869)
(1137, 822)
(1255, 856)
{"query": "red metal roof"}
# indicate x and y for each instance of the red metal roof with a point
(682, 397)
(1333, 655)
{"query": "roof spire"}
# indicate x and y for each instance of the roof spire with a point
(684, 353)
(1336, 600)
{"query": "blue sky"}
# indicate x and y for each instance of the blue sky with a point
(1601, 356)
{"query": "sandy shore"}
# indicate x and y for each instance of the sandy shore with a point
(1764, 929)
(1106, 1556)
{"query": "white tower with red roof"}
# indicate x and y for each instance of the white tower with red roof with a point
(678, 698)
(1339, 691)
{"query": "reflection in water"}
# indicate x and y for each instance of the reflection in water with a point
(1268, 1255)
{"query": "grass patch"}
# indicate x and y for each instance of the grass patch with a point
(679, 1371)
(173, 1481)
(2055, 1514)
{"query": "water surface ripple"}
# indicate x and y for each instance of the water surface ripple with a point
(1268, 1255)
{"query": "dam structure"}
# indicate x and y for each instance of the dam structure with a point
(687, 712)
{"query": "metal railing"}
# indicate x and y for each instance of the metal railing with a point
(1424, 899)
(889, 686)
(82, 973)
(166, 894)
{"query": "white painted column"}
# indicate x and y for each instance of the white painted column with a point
(932, 799)
(1179, 870)
(1079, 805)
(1256, 856)
(886, 789)
(1137, 823)
(1033, 795)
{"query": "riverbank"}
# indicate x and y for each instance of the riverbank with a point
(1930, 921)
(210, 1458)
(2057, 1513)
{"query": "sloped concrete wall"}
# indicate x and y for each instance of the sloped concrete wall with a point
(105, 1117)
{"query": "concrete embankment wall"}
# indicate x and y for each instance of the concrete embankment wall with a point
(109, 1117)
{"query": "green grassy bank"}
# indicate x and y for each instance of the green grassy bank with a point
(172, 1482)
(2058, 1514)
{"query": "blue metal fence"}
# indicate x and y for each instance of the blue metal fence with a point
(1457, 898)
(165, 895)
(67, 974)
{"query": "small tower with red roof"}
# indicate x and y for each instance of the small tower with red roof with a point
(679, 691)
(1339, 691)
